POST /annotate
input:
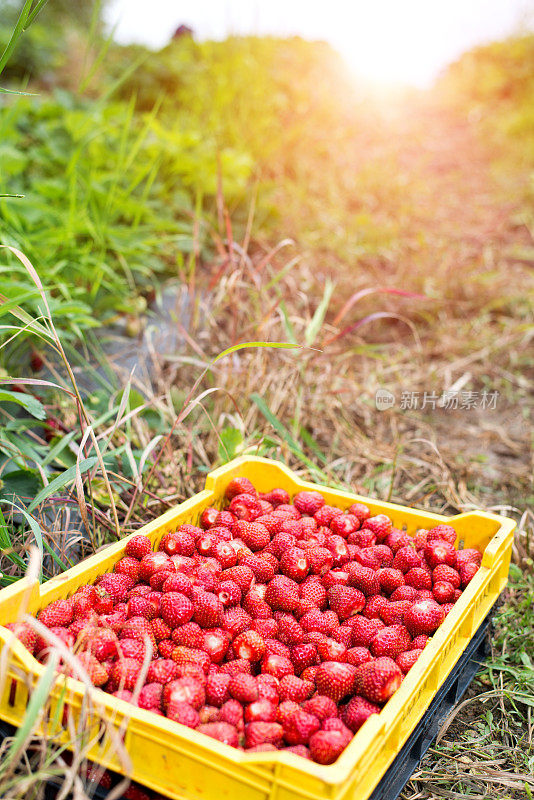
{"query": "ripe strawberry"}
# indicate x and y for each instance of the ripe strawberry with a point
(235, 621)
(424, 594)
(443, 532)
(299, 750)
(470, 554)
(440, 552)
(139, 606)
(138, 546)
(243, 688)
(420, 642)
(97, 672)
(468, 570)
(335, 680)
(338, 547)
(178, 543)
(390, 579)
(165, 648)
(188, 655)
(189, 635)
(324, 515)
(221, 731)
(362, 538)
(103, 644)
(360, 510)
(162, 670)
(57, 614)
(243, 576)
(260, 711)
(314, 592)
(327, 746)
(288, 511)
(443, 592)
(153, 562)
(390, 641)
(419, 578)
(316, 620)
(128, 566)
(344, 524)
(357, 711)
(425, 616)
(406, 558)
(184, 690)
(259, 733)
(124, 673)
(133, 648)
(263, 570)
(276, 497)
(246, 507)
(378, 680)
(393, 613)
(138, 628)
(282, 593)
(343, 634)
(320, 560)
(215, 644)
(300, 727)
(380, 525)
(24, 633)
(419, 539)
(296, 689)
(150, 696)
(398, 539)
(444, 573)
(267, 628)
(208, 610)
(277, 665)
(239, 486)
(447, 607)
(217, 689)
(182, 712)
(249, 645)
(345, 601)
(331, 650)
(404, 593)
(358, 655)
(308, 503)
(209, 714)
(273, 646)
(232, 713)
(208, 517)
(294, 564)
(302, 656)
(335, 577)
(176, 609)
(407, 659)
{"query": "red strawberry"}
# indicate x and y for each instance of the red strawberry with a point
(344, 524)
(262, 569)
(420, 642)
(393, 613)
(208, 610)
(260, 711)
(236, 620)
(282, 593)
(314, 592)
(139, 606)
(125, 672)
(239, 486)
(288, 511)
(447, 608)
(300, 726)
(249, 645)
(208, 517)
(276, 497)
(398, 539)
(357, 711)
(188, 655)
(418, 578)
(128, 566)
(294, 564)
(419, 538)
(302, 656)
(254, 534)
(425, 616)
(407, 660)
(378, 680)
(150, 696)
(320, 560)
(468, 570)
(360, 510)
(338, 547)
(443, 592)
(24, 633)
(320, 706)
(324, 515)
(345, 601)
(254, 603)
(327, 746)
(184, 690)
(323, 622)
(390, 579)
(138, 628)
(216, 643)
(308, 503)
(162, 670)
(276, 665)
(246, 507)
(209, 714)
(225, 555)
(224, 519)
(358, 655)
(217, 689)
(331, 650)
(153, 562)
(391, 641)
(176, 609)
(440, 552)
(58, 614)
(362, 538)
(165, 648)
(406, 558)
(444, 573)
(443, 532)
(189, 635)
(97, 672)
(232, 713)
(335, 680)
(258, 733)
(243, 688)
(343, 634)
(221, 731)
(243, 576)
(293, 688)
(133, 648)
(104, 644)
(404, 593)
(138, 546)
(178, 543)
(185, 714)
(380, 525)
(464, 556)
(363, 578)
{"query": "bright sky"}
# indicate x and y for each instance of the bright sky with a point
(401, 41)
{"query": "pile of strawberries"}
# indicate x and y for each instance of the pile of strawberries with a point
(273, 625)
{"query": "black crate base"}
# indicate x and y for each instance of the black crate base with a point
(400, 772)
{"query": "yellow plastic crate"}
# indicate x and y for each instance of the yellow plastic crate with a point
(182, 763)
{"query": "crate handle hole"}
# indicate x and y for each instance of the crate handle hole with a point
(12, 693)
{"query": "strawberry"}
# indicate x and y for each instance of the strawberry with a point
(345, 601)
(276, 497)
(138, 628)
(208, 517)
(285, 711)
(293, 688)
(217, 689)
(331, 650)
(320, 560)
(445, 573)
(443, 532)
(103, 644)
(357, 711)
(468, 570)
(24, 633)
(259, 733)
(176, 609)
(165, 648)
(443, 592)
(344, 524)
(308, 503)
(288, 511)
(324, 515)
(420, 642)
(320, 706)
(132, 648)
(215, 644)
(300, 726)
(273, 646)
(263, 570)
(323, 622)
(407, 659)
(246, 507)
(232, 713)
(378, 680)
(338, 547)
(363, 578)
(276, 665)
(357, 656)
(314, 592)
(125, 672)
(150, 696)
(208, 610)
(59, 613)
(327, 746)
(299, 750)
(335, 680)
(380, 525)
(425, 616)
(393, 613)
(419, 539)
(404, 593)
(390, 641)
(128, 566)
(464, 556)
(239, 486)
(236, 620)
(138, 546)
(162, 670)
(189, 635)
(362, 538)
(184, 690)
(229, 593)
(406, 558)
(243, 576)
(418, 578)
(397, 540)
(222, 731)
(294, 564)
(98, 674)
(447, 608)
(152, 562)
(182, 712)
(261, 711)
(243, 688)
(209, 714)
(139, 606)
(440, 552)
(302, 656)
(178, 543)
(249, 645)
(282, 593)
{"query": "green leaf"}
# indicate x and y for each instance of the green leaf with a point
(62, 480)
(27, 401)
(244, 345)
(316, 323)
(231, 442)
(20, 483)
